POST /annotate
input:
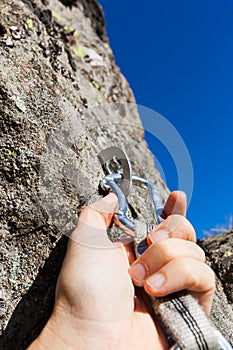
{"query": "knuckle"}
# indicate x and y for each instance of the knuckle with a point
(177, 224)
(196, 279)
(173, 222)
(190, 273)
(211, 277)
(201, 253)
(188, 267)
(167, 250)
(189, 229)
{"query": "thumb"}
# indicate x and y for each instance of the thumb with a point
(93, 223)
(95, 271)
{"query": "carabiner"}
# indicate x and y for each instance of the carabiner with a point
(119, 179)
(138, 230)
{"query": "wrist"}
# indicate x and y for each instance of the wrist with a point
(57, 334)
(65, 331)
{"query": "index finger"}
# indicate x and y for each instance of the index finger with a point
(175, 226)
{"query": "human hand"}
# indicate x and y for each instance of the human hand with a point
(96, 306)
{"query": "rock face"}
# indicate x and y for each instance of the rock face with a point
(219, 253)
(57, 88)
(62, 100)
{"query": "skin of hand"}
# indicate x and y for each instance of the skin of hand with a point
(96, 306)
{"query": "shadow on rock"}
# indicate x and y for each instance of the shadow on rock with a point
(35, 307)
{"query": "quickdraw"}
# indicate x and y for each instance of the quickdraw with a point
(183, 321)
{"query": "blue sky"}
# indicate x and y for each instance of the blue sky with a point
(178, 59)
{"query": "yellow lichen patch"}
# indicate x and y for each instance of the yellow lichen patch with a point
(125, 118)
(229, 253)
(29, 22)
(14, 152)
(101, 98)
(71, 29)
(57, 16)
(79, 51)
(95, 84)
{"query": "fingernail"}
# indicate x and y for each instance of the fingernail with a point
(138, 272)
(184, 195)
(157, 236)
(156, 281)
(110, 198)
(107, 204)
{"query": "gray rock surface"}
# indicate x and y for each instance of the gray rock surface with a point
(219, 254)
(57, 88)
(62, 100)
